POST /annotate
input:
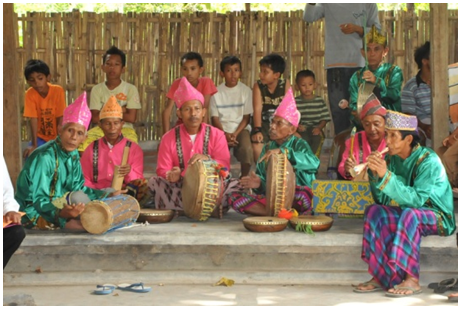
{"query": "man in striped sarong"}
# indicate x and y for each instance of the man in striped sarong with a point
(414, 177)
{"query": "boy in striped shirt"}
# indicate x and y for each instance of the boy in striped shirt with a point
(313, 110)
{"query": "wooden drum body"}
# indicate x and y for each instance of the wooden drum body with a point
(101, 216)
(280, 184)
(201, 190)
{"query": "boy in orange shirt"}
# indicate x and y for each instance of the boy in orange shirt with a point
(44, 104)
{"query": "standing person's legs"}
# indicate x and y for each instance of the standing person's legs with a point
(12, 239)
(338, 81)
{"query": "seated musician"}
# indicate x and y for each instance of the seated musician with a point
(100, 159)
(282, 128)
(50, 187)
(414, 177)
(360, 146)
(183, 145)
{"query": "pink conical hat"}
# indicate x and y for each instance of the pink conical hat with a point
(78, 112)
(287, 109)
(186, 92)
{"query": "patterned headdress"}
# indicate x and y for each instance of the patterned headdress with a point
(186, 92)
(287, 109)
(372, 107)
(78, 112)
(111, 109)
(399, 121)
(374, 36)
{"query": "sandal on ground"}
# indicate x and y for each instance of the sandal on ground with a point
(135, 287)
(396, 295)
(104, 289)
(443, 286)
(376, 287)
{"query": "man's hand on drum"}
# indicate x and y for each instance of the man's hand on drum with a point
(72, 211)
(376, 164)
(197, 157)
(124, 170)
(173, 175)
(269, 153)
(349, 164)
(118, 192)
(250, 182)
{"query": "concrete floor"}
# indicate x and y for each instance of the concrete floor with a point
(236, 295)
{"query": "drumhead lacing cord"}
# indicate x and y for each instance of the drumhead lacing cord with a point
(210, 193)
(281, 182)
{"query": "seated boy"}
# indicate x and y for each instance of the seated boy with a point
(101, 157)
(305, 163)
(313, 110)
(192, 67)
(50, 187)
(387, 78)
(230, 109)
(44, 104)
(267, 93)
(126, 94)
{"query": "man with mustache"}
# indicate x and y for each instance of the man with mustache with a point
(183, 145)
(50, 187)
(281, 132)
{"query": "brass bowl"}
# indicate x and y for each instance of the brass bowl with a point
(318, 223)
(265, 224)
(155, 215)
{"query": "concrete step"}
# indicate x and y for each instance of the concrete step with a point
(190, 252)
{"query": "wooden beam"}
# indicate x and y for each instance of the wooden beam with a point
(11, 76)
(439, 29)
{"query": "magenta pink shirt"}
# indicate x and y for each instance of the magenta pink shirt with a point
(107, 160)
(167, 157)
(205, 86)
(366, 151)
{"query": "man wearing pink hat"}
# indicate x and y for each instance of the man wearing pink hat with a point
(50, 187)
(183, 145)
(282, 128)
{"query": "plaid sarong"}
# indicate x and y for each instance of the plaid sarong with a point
(391, 241)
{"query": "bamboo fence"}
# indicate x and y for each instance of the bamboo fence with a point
(73, 44)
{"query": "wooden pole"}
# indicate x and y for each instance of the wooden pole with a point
(439, 69)
(11, 77)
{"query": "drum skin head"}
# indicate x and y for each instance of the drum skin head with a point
(265, 224)
(96, 218)
(280, 184)
(318, 223)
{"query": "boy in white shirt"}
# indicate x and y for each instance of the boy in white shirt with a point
(230, 110)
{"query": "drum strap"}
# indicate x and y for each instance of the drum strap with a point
(95, 157)
(179, 149)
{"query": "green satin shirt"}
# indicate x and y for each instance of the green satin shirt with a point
(48, 167)
(299, 154)
(419, 181)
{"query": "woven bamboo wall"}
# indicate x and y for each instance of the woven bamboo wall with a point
(73, 44)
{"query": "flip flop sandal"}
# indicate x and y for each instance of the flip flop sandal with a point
(376, 288)
(104, 289)
(396, 287)
(443, 286)
(135, 287)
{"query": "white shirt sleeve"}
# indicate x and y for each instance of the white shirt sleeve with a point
(9, 203)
